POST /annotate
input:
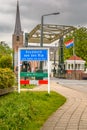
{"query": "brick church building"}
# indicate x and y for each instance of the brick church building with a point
(17, 38)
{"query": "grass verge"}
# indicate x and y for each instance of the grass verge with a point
(27, 110)
(31, 86)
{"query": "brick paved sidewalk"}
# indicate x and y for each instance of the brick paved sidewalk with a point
(72, 115)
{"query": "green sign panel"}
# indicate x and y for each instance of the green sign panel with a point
(31, 74)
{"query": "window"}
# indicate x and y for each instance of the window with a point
(18, 38)
(69, 66)
(72, 66)
(78, 66)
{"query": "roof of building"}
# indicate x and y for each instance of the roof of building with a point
(75, 58)
(17, 22)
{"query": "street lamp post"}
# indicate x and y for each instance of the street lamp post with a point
(41, 42)
(42, 18)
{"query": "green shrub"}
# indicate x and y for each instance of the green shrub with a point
(7, 78)
(6, 61)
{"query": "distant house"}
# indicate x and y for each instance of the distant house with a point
(74, 66)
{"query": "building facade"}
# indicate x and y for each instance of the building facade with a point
(74, 67)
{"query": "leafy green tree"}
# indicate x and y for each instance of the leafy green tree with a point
(5, 56)
(80, 41)
(5, 50)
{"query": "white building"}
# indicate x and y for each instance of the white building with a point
(74, 63)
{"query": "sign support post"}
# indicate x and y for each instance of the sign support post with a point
(18, 71)
(48, 75)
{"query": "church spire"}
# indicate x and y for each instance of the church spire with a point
(17, 22)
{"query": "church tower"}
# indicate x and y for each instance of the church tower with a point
(17, 38)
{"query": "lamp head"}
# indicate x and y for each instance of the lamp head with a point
(56, 13)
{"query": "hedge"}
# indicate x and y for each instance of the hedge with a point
(7, 78)
(6, 61)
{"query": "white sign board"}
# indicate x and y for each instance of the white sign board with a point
(33, 54)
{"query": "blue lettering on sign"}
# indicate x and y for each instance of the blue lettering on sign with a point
(40, 55)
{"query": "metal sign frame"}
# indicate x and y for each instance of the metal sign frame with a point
(47, 59)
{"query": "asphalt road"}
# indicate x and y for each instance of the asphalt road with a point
(80, 85)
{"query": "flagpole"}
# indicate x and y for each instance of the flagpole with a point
(74, 57)
(73, 47)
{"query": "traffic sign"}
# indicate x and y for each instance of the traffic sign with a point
(34, 54)
(30, 74)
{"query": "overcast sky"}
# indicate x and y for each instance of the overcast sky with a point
(72, 12)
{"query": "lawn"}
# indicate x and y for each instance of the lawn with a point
(31, 86)
(27, 110)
